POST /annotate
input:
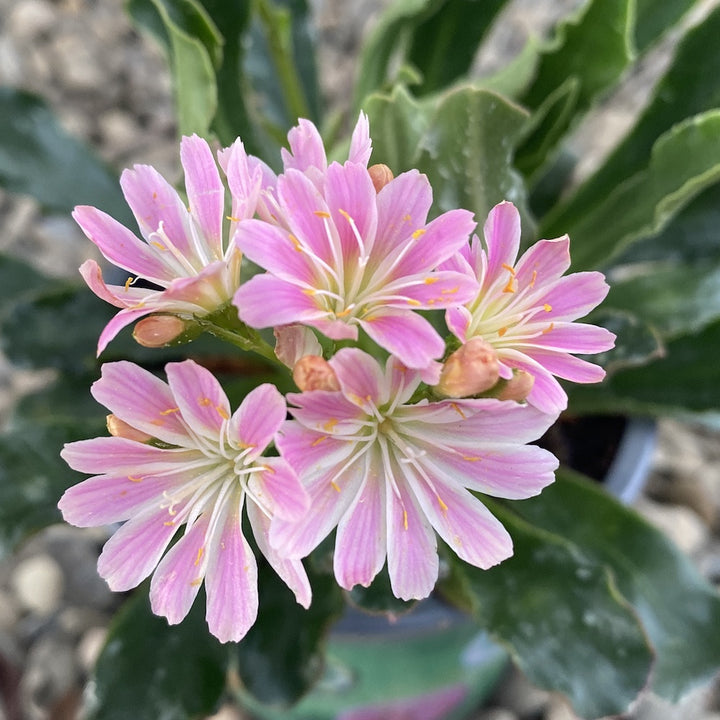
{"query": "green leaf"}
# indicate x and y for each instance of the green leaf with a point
(32, 479)
(282, 656)
(467, 150)
(378, 597)
(36, 155)
(558, 612)
(149, 670)
(682, 92)
(17, 278)
(65, 319)
(685, 380)
(590, 51)
(444, 42)
(194, 47)
(684, 162)
(655, 17)
(678, 609)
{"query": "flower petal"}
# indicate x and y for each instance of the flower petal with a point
(177, 579)
(574, 296)
(141, 400)
(258, 418)
(325, 411)
(361, 543)
(502, 237)
(310, 453)
(199, 396)
(205, 191)
(120, 246)
(360, 143)
(279, 490)
(132, 553)
(231, 582)
(360, 376)
(118, 322)
(267, 301)
(543, 263)
(290, 571)
(405, 334)
(574, 338)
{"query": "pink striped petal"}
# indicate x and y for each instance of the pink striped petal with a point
(154, 202)
(547, 395)
(405, 334)
(306, 148)
(464, 523)
(293, 342)
(574, 338)
(132, 553)
(502, 237)
(568, 367)
(106, 499)
(310, 453)
(231, 582)
(458, 320)
(177, 579)
(200, 397)
(267, 301)
(120, 246)
(258, 418)
(244, 180)
(275, 250)
(513, 472)
(401, 382)
(291, 572)
(360, 144)
(141, 400)
(437, 290)
(360, 376)
(205, 191)
(543, 263)
(119, 456)
(326, 411)
(574, 296)
(361, 543)
(351, 196)
(92, 275)
(443, 236)
(279, 490)
(412, 546)
(402, 205)
(117, 323)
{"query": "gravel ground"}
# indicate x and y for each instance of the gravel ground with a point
(110, 86)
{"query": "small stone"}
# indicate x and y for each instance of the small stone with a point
(519, 696)
(559, 708)
(682, 525)
(30, 19)
(38, 584)
(8, 611)
(495, 713)
(228, 712)
(90, 646)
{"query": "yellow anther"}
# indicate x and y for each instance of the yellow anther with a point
(431, 280)
(169, 523)
(509, 287)
(345, 214)
(269, 469)
(317, 441)
(196, 581)
(443, 506)
(533, 278)
(133, 478)
(335, 486)
(405, 519)
(169, 411)
(547, 308)
(412, 301)
(344, 313)
(128, 283)
(450, 291)
(295, 242)
(204, 401)
(330, 424)
(472, 458)
(158, 245)
(549, 328)
(457, 409)
(200, 552)
(157, 422)
(407, 217)
(232, 219)
(222, 412)
(418, 233)
(322, 213)
(510, 269)
(309, 291)
(502, 331)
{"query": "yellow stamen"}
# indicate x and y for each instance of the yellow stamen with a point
(472, 458)
(450, 291)
(511, 270)
(431, 280)
(169, 411)
(407, 218)
(549, 328)
(128, 283)
(344, 313)
(412, 301)
(330, 424)
(269, 469)
(309, 291)
(200, 552)
(204, 401)
(502, 331)
(317, 441)
(158, 245)
(295, 242)
(196, 581)
(133, 478)
(335, 486)
(405, 519)
(222, 412)
(169, 523)
(457, 409)
(322, 213)
(232, 219)
(418, 233)
(443, 506)
(533, 278)
(509, 287)
(547, 308)
(346, 215)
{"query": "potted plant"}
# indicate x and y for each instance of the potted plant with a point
(584, 568)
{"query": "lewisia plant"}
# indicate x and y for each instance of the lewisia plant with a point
(396, 434)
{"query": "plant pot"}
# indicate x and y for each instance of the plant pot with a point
(432, 663)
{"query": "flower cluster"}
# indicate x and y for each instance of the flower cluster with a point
(396, 432)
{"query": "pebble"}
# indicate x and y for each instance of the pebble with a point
(89, 647)
(495, 713)
(9, 613)
(38, 584)
(559, 708)
(519, 696)
(681, 524)
(30, 19)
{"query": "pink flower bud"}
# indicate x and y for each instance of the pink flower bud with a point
(158, 330)
(380, 175)
(119, 428)
(314, 373)
(518, 387)
(471, 369)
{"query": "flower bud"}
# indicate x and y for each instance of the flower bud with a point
(518, 387)
(158, 330)
(380, 175)
(119, 428)
(471, 369)
(293, 342)
(314, 373)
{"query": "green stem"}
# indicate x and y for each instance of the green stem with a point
(277, 30)
(250, 341)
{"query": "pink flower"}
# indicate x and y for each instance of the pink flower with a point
(340, 256)
(390, 475)
(525, 308)
(184, 254)
(198, 472)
